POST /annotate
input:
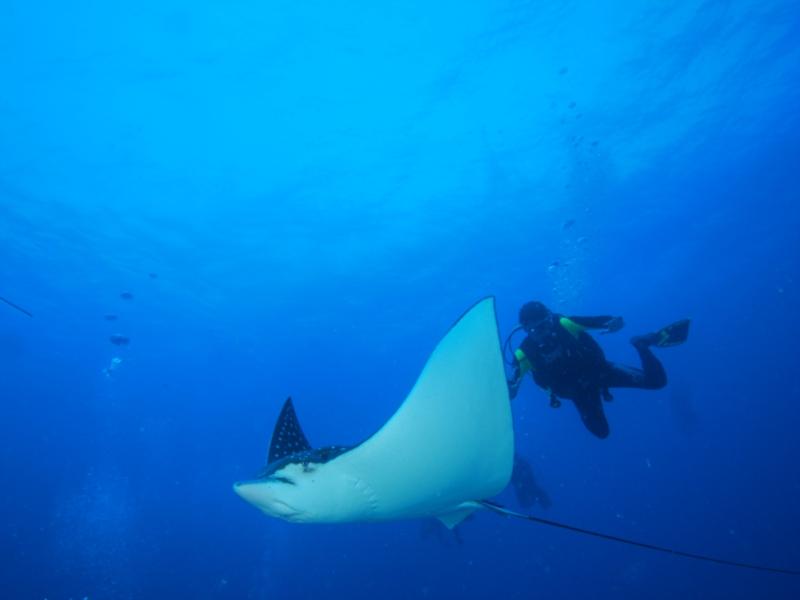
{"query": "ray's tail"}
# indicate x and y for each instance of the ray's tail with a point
(720, 561)
(17, 306)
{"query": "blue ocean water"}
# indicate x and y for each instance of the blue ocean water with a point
(301, 198)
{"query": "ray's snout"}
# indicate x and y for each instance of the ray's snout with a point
(247, 491)
(265, 497)
(256, 493)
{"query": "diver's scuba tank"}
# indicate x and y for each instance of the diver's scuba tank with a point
(507, 346)
(511, 362)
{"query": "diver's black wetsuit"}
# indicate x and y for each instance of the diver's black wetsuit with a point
(568, 363)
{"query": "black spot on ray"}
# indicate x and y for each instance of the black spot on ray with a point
(287, 437)
(308, 459)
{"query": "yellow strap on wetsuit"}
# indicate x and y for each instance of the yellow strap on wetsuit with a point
(571, 326)
(523, 362)
(525, 366)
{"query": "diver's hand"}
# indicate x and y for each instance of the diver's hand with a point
(513, 388)
(614, 324)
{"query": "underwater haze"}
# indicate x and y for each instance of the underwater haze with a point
(209, 206)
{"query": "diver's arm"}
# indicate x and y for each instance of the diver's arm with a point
(521, 366)
(607, 322)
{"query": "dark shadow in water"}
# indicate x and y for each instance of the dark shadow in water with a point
(528, 491)
(435, 529)
(682, 408)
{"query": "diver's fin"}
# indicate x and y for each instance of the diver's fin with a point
(673, 334)
(510, 513)
(287, 437)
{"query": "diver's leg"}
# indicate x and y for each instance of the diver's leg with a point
(655, 377)
(590, 408)
(650, 377)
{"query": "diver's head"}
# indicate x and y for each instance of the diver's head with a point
(533, 314)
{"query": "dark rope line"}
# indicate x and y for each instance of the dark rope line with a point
(630, 542)
(17, 306)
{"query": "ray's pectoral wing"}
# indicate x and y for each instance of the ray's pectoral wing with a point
(287, 437)
(451, 441)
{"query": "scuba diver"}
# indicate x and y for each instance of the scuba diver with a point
(568, 363)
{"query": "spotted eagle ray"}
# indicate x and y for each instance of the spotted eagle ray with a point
(443, 454)
(450, 444)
